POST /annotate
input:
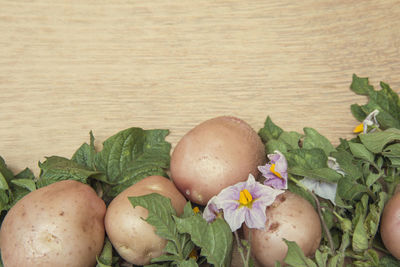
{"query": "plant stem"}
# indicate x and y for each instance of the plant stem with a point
(324, 226)
(240, 248)
(248, 249)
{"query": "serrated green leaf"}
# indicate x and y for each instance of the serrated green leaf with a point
(360, 85)
(376, 141)
(56, 169)
(133, 154)
(215, 239)
(270, 131)
(295, 256)
(313, 139)
(360, 151)
(85, 155)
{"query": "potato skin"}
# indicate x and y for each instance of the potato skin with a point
(390, 225)
(215, 154)
(134, 239)
(61, 224)
(290, 217)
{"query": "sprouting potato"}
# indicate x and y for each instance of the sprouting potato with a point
(214, 155)
(134, 239)
(61, 224)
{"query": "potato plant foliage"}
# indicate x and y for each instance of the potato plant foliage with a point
(370, 163)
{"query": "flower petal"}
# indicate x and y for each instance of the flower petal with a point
(211, 210)
(235, 218)
(256, 218)
(321, 189)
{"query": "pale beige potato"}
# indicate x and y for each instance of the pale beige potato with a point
(290, 217)
(214, 155)
(58, 225)
(390, 225)
(134, 239)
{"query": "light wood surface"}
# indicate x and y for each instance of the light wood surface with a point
(68, 67)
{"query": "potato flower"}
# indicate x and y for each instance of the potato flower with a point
(275, 171)
(324, 189)
(369, 124)
(211, 212)
(244, 202)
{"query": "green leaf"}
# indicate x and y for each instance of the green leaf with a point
(295, 256)
(106, 256)
(160, 214)
(358, 112)
(85, 155)
(274, 145)
(25, 174)
(310, 159)
(5, 172)
(322, 174)
(360, 85)
(188, 263)
(389, 261)
(348, 189)
(25, 183)
(376, 141)
(321, 258)
(392, 151)
(360, 151)
(215, 239)
(133, 154)
(56, 169)
(291, 139)
(346, 162)
(270, 131)
(313, 139)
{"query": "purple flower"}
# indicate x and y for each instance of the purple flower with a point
(246, 202)
(211, 212)
(275, 172)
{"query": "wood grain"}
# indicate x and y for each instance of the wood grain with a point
(68, 67)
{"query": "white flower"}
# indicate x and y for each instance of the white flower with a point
(369, 124)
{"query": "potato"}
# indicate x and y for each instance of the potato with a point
(134, 239)
(215, 154)
(390, 225)
(290, 217)
(61, 224)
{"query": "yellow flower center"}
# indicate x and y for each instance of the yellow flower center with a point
(272, 169)
(245, 198)
(196, 210)
(359, 128)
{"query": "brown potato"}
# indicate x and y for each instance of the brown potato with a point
(134, 239)
(390, 225)
(290, 217)
(58, 225)
(215, 154)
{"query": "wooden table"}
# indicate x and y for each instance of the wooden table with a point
(68, 67)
